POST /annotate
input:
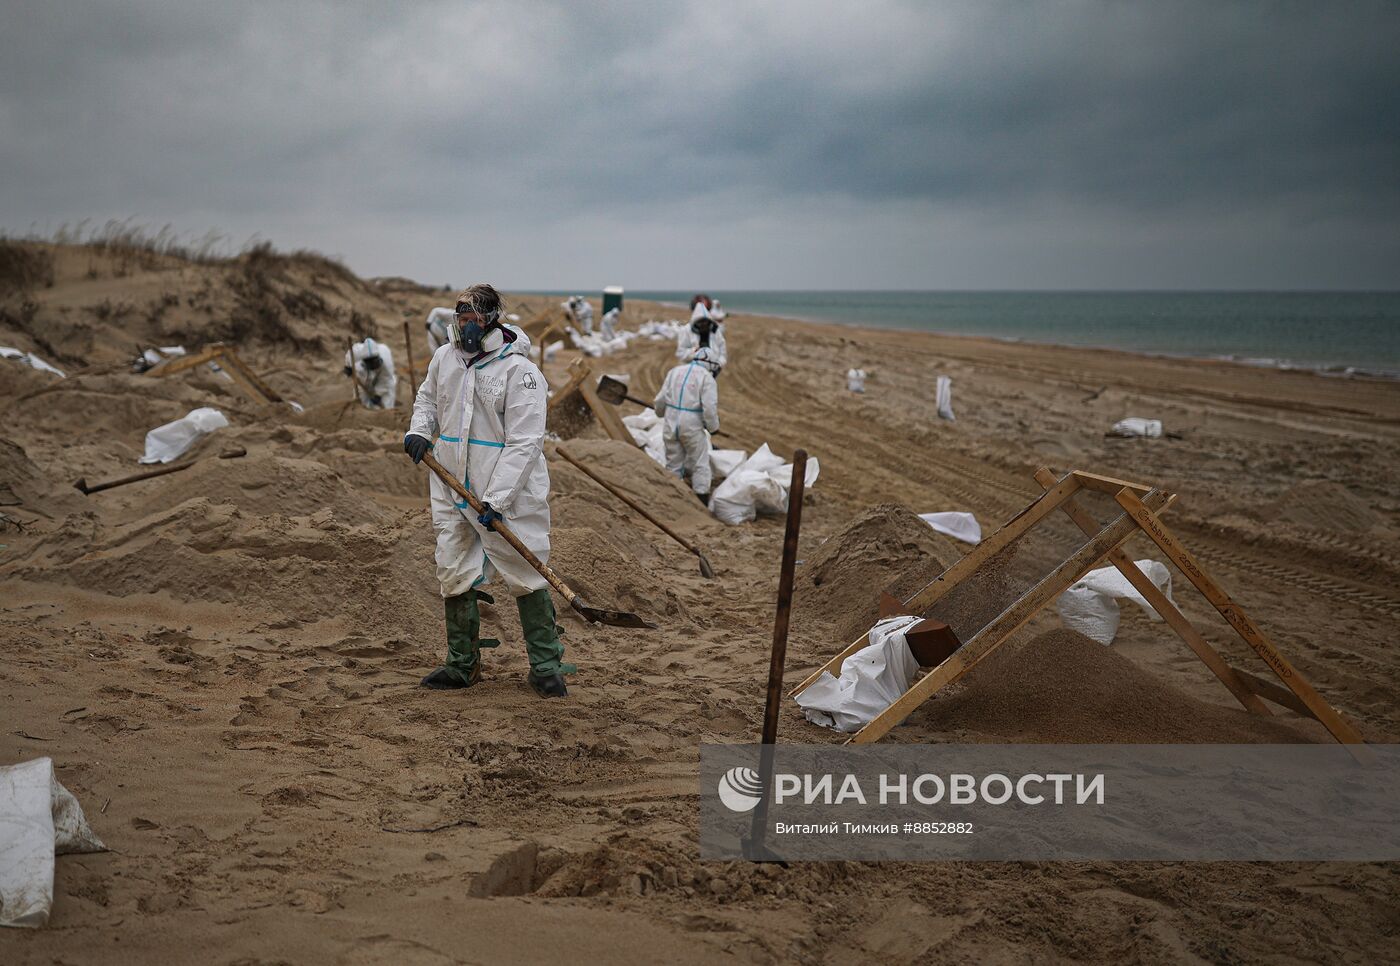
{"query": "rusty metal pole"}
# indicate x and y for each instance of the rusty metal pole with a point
(778, 656)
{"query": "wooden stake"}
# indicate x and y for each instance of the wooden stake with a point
(412, 374)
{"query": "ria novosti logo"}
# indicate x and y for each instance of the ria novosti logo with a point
(740, 789)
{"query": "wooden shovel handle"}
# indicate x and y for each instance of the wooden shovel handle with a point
(500, 527)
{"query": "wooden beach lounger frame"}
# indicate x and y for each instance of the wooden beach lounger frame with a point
(1142, 507)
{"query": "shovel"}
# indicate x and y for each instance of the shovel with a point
(614, 391)
(82, 484)
(706, 570)
(614, 618)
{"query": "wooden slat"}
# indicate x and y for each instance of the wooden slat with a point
(237, 366)
(578, 373)
(1275, 693)
(1237, 618)
(934, 591)
(188, 361)
(994, 634)
(1168, 611)
(1106, 484)
(605, 414)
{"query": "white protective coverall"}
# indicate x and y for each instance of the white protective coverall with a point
(583, 315)
(380, 381)
(609, 323)
(688, 340)
(438, 321)
(689, 403)
(489, 422)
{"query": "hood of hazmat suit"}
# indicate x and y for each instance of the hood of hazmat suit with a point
(487, 418)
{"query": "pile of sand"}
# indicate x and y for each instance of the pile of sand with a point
(264, 485)
(1061, 687)
(886, 548)
(25, 489)
(599, 567)
(1324, 505)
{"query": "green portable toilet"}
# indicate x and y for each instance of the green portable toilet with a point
(612, 298)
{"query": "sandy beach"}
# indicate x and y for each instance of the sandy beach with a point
(223, 662)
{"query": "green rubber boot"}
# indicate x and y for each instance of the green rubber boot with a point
(542, 644)
(463, 667)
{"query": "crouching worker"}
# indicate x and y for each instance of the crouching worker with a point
(485, 402)
(689, 402)
(371, 365)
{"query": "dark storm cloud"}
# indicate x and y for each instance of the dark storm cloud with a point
(738, 144)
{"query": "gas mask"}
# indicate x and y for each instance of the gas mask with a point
(468, 337)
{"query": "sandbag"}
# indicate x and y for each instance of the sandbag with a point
(38, 818)
(855, 380)
(1090, 606)
(956, 524)
(943, 395)
(758, 485)
(648, 432)
(169, 442)
(1137, 426)
(723, 462)
(29, 359)
(871, 680)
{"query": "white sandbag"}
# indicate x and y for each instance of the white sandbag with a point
(29, 359)
(956, 524)
(169, 442)
(758, 485)
(943, 395)
(648, 431)
(1090, 606)
(725, 461)
(1137, 426)
(871, 680)
(552, 350)
(855, 380)
(38, 818)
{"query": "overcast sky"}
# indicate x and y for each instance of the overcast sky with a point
(728, 145)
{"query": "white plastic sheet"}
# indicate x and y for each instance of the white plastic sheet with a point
(956, 524)
(1137, 426)
(758, 485)
(38, 818)
(29, 359)
(169, 442)
(943, 395)
(1090, 606)
(871, 680)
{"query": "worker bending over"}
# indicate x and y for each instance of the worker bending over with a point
(371, 364)
(580, 314)
(689, 402)
(485, 401)
(438, 321)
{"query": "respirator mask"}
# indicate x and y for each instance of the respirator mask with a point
(468, 334)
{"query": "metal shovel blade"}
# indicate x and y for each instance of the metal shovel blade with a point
(706, 570)
(612, 391)
(613, 618)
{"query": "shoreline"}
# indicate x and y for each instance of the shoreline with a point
(1334, 371)
(1326, 370)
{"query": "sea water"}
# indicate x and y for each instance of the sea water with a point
(1330, 331)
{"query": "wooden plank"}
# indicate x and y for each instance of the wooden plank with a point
(1106, 484)
(169, 367)
(578, 373)
(994, 634)
(237, 366)
(606, 415)
(1238, 619)
(1279, 695)
(939, 587)
(1168, 611)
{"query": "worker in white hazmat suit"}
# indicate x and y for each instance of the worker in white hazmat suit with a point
(371, 364)
(438, 321)
(704, 333)
(580, 314)
(609, 323)
(689, 403)
(481, 409)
